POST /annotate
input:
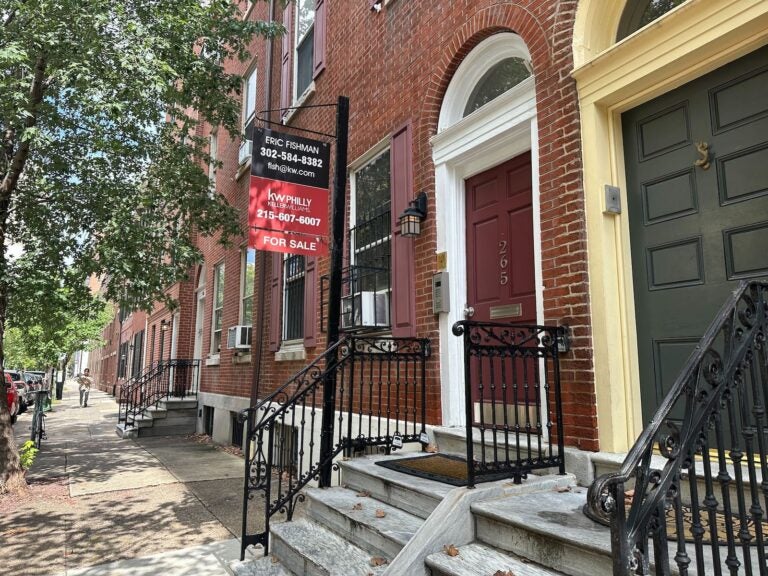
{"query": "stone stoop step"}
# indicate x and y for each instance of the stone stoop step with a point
(177, 403)
(306, 548)
(478, 560)
(549, 529)
(380, 529)
(418, 496)
(268, 566)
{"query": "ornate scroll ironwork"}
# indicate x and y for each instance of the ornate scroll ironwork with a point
(513, 404)
(380, 401)
(701, 465)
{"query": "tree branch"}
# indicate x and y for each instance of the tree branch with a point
(16, 167)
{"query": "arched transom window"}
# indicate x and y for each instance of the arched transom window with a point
(639, 13)
(498, 79)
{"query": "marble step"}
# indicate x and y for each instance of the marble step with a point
(177, 403)
(269, 566)
(479, 560)
(305, 548)
(418, 496)
(549, 529)
(373, 525)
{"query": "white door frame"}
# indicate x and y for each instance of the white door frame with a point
(499, 131)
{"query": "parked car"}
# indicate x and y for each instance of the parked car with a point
(26, 395)
(12, 396)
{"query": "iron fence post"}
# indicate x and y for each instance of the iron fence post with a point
(334, 296)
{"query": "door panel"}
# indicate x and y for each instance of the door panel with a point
(501, 288)
(501, 285)
(697, 195)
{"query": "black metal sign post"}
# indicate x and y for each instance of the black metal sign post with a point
(338, 200)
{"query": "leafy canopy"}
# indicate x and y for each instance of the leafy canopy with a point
(103, 167)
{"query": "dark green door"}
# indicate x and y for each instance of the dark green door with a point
(697, 179)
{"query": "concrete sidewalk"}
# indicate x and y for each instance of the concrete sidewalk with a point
(102, 505)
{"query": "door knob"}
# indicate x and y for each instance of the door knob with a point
(469, 312)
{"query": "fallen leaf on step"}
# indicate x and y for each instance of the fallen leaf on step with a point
(562, 489)
(629, 495)
(345, 459)
(451, 550)
(502, 573)
(378, 561)
(380, 513)
(275, 559)
(363, 494)
(431, 448)
(357, 506)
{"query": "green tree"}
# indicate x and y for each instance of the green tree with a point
(102, 160)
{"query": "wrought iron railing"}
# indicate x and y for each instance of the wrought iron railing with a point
(696, 481)
(513, 401)
(377, 398)
(164, 379)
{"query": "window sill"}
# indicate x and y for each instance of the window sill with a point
(213, 360)
(244, 168)
(292, 350)
(241, 358)
(249, 10)
(308, 93)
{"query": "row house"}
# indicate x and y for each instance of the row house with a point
(594, 165)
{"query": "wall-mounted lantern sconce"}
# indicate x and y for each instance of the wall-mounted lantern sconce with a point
(165, 325)
(410, 219)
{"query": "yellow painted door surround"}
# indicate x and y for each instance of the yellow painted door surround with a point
(695, 38)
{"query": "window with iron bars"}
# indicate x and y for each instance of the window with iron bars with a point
(293, 297)
(366, 305)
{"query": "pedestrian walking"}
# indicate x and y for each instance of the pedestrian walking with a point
(84, 382)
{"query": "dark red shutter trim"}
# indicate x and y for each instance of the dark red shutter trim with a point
(275, 298)
(285, 66)
(310, 302)
(403, 305)
(318, 49)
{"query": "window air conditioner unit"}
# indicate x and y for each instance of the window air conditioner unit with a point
(365, 310)
(239, 337)
(244, 154)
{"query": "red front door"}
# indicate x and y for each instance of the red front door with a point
(501, 285)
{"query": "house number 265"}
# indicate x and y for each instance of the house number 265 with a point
(503, 263)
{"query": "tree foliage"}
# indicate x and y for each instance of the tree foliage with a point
(103, 163)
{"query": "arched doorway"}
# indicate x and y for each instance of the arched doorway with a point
(487, 120)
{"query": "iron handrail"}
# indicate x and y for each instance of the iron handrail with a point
(165, 379)
(129, 388)
(512, 398)
(280, 448)
(724, 368)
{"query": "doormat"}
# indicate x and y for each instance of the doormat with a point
(720, 524)
(439, 467)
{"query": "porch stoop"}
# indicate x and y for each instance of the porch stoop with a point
(404, 520)
(169, 417)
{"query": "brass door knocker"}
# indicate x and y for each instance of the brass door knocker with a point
(703, 149)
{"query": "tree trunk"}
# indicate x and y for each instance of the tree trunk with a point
(11, 473)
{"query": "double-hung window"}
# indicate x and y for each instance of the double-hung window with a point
(293, 297)
(218, 308)
(370, 240)
(246, 286)
(249, 114)
(213, 152)
(304, 46)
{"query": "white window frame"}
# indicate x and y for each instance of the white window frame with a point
(250, 90)
(297, 97)
(245, 280)
(217, 308)
(382, 147)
